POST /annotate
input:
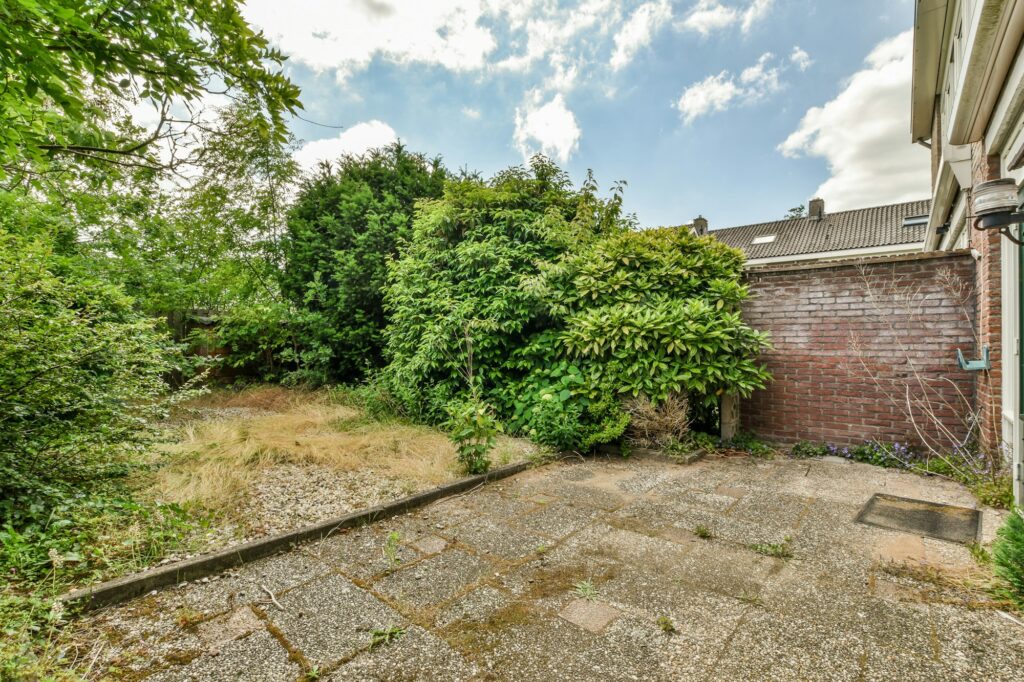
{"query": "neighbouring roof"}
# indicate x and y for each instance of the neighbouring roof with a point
(861, 228)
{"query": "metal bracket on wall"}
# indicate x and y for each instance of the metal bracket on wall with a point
(974, 365)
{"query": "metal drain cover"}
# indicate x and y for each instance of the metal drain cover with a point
(942, 521)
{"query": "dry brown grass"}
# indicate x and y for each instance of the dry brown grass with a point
(658, 426)
(216, 460)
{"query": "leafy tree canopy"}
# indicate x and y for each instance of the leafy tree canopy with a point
(70, 69)
(796, 212)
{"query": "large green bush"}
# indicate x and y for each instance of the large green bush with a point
(346, 224)
(80, 374)
(546, 302)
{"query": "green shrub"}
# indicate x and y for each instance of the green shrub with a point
(805, 449)
(565, 308)
(275, 342)
(994, 492)
(1008, 556)
(348, 221)
(750, 444)
(704, 441)
(81, 377)
(473, 428)
(654, 313)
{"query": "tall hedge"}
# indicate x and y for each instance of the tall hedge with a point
(545, 302)
(348, 220)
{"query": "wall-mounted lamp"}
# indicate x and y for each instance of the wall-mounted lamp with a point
(995, 206)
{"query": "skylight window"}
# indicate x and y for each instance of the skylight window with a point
(915, 220)
(766, 239)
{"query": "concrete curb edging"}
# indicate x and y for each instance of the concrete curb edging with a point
(127, 587)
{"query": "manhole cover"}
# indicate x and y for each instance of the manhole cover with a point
(942, 521)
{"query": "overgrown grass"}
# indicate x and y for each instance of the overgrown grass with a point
(217, 460)
(105, 535)
(217, 445)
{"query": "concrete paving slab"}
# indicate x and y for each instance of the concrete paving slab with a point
(979, 644)
(415, 655)
(331, 619)
(365, 553)
(502, 505)
(256, 658)
(434, 580)
(589, 615)
(492, 538)
(599, 497)
(766, 646)
(429, 544)
(558, 520)
(221, 593)
(475, 607)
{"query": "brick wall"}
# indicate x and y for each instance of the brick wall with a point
(985, 167)
(853, 340)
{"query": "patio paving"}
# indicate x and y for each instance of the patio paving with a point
(592, 570)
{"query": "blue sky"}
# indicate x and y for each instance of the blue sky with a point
(735, 109)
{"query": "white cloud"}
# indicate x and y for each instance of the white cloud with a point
(762, 78)
(719, 92)
(862, 134)
(561, 44)
(708, 16)
(549, 128)
(638, 31)
(757, 10)
(470, 112)
(346, 35)
(714, 93)
(800, 58)
(355, 140)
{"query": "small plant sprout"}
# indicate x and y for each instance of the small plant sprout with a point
(585, 590)
(542, 549)
(382, 636)
(703, 532)
(778, 550)
(666, 625)
(981, 555)
(391, 548)
(188, 618)
(313, 673)
(752, 599)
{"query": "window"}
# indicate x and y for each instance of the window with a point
(766, 239)
(915, 221)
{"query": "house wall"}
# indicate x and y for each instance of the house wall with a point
(987, 245)
(853, 340)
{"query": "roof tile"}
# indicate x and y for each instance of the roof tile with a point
(856, 229)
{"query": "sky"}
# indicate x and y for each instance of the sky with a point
(733, 109)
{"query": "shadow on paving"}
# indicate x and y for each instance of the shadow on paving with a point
(604, 569)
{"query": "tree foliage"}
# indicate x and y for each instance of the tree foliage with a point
(80, 370)
(346, 224)
(70, 69)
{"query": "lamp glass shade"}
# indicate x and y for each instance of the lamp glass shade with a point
(995, 196)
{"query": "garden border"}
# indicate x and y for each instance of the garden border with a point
(136, 584)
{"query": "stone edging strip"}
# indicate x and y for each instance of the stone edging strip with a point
(127, 587)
